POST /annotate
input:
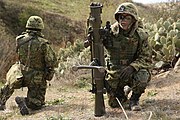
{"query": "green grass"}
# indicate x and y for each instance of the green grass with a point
(3, 118)
(1, 84)
(59, 117)
(152, 93)
(82, 83)
(69, 8)
(56, 102)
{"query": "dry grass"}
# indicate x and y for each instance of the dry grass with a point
(67, 101)
(68, 97)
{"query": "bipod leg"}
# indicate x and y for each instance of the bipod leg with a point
(122, 108)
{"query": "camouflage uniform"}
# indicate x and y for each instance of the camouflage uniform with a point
(38, 61)
(127, 49)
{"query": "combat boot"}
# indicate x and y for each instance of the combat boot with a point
(22, 105)
(134, 102)
(2, 106)
(113, 101)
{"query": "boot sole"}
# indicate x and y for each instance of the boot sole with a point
(22, 106)
(136, 108)
(2, 107)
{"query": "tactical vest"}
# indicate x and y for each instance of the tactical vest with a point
(30, 50)
(124, 49)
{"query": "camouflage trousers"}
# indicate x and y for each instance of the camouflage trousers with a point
(36, 85)
(137, 82)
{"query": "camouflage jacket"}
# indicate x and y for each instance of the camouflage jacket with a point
(35, 52)
(127, 50)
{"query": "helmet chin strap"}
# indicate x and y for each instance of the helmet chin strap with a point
(129, 26)
(134, 26)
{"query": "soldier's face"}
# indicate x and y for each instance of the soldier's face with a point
(125, 21)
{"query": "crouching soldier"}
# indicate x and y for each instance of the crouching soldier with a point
(129, 57)
(37, 61)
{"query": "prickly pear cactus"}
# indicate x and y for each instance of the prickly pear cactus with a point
(164, 38)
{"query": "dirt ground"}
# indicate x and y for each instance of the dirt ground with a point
(161, 101)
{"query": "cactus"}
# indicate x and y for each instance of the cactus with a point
(172, 33)
(147, 26)
(170, 20)
(165, 51)
(155, 28)
(160, 21)
(161, 31)
(158, 46)
(152, 42)
(170, 27)
(158, 55)
(177, 26)
(171, 50)
(175, 39)
(152, 33)
(176, 42)
(178, 21)
(169, 42)
(157, 37)
(166, 24)
(163, 40)
(178, 35)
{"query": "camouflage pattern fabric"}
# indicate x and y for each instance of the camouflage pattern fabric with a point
(126, 51)
(37, 57)
(14, 72)
(128, 48)
(35, 22)
(128, 8)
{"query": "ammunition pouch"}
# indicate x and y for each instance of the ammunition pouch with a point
(15, 72)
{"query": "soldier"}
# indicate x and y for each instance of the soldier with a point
(38, 61)
(129, 57)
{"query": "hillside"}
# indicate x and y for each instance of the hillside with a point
(64, 21)
(13, 17)
(68, 96)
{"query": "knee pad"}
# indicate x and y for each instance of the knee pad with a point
(141, 79)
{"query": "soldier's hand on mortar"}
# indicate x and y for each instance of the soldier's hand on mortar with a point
(127, 72)
(88, 41)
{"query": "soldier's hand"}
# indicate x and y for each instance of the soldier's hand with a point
(88, 41)
(127, 72)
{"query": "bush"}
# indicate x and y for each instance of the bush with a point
(164, 39)
(72, 55)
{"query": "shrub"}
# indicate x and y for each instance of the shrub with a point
(164, 39)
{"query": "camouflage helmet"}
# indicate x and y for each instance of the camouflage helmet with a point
(35, 22)
(128, 8)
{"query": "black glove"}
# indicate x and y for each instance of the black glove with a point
(127, 72)
(88, 42)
